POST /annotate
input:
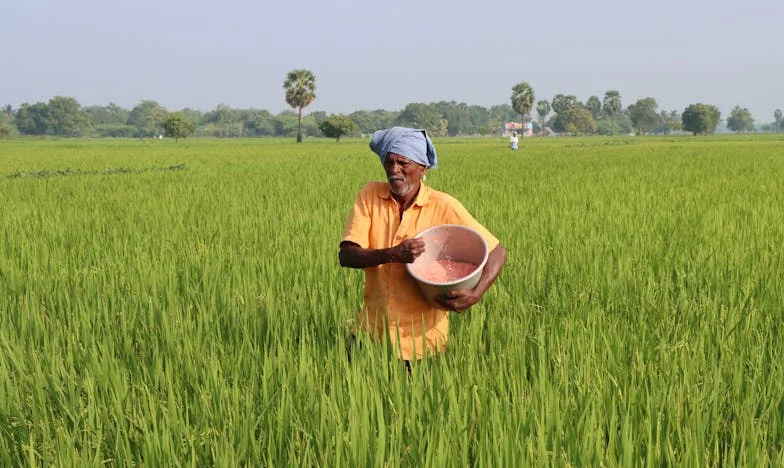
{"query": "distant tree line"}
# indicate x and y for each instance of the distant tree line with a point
(607, 116)
(565, 114)
(65, 117)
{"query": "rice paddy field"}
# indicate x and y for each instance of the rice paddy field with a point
(169, 304)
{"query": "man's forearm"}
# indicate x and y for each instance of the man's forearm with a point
(354, 256)
(495, 262)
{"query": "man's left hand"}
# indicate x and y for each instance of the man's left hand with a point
(458, 300)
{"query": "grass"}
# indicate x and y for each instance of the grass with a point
(197, 316)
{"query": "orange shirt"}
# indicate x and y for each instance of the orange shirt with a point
(392, 301)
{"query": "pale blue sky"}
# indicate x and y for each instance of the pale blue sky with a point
(382, 55)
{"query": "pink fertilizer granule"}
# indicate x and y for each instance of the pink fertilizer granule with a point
(444, 271)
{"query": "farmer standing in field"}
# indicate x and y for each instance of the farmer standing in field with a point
(513, 141)
(379, 237)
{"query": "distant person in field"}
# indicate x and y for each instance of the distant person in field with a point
(379, 238)
(513, 141)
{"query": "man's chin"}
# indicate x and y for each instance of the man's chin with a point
(401, 192)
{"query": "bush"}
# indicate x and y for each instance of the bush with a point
(7, 130)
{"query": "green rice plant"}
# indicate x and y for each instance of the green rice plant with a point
(198, 316)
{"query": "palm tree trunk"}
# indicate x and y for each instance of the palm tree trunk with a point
(299, 126)
(522, 126)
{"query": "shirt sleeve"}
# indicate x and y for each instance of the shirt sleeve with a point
(357, 229)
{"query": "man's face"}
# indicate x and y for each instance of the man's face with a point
(403, 174)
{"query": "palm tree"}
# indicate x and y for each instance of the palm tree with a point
(300, 86)
(612, 105)
(522, 99)
(543, 108)
(595, 106)
(9, 113)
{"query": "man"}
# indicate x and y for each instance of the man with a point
(379, 237)
(513, 141)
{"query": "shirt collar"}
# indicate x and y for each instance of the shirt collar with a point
(422, 198)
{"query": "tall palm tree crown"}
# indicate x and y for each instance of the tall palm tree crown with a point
(543, 108)
(612, 105)
(522, 99)
(300, 86)
(612, 102)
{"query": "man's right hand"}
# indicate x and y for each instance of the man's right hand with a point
(408, 250)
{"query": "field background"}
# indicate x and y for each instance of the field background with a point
(182, 305)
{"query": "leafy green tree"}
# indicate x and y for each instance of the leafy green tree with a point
(108, 115)
(7, 123)
(259, 122)
(576, 120)
(701, 118)
(740, 120)
(178, 126)
(457, 115)
(33, 119)
(480, 120)
(370, 121)
(669, 121)
(300, 86)
(110, 121)
(499, 114)
(620, 124)
(443, 128)
(66, 117)
(224, 120)
(193, 115)
(310, 127)
(318, 116)
(148, 118)
(644, 115)
(594, 105)
(7, 114)
(674, 122)
(62, 116)
(580, 121)
(364, 120)
(523, 99)
(779, 121)
(286, 124)
(502, 112)
(420, 115)
(542, 108)
(337, 125)
(563, 102)
(463, 119)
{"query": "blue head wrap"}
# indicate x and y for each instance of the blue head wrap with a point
(409, 142)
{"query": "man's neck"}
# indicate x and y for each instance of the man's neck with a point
(405, 201)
